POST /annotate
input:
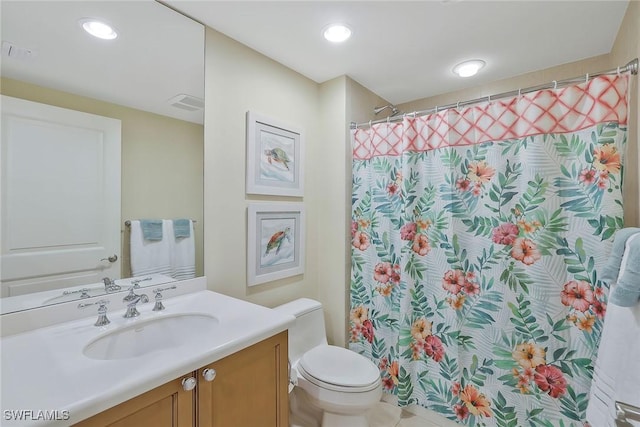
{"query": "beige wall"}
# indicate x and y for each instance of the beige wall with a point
(625, 48)
(330, 166)
(342, 100)
(162, 167)
(238, 79)
(360, 104)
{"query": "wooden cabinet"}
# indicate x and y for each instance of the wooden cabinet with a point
(166, 406)
(250, 389)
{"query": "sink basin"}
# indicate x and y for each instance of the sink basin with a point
(146, 336)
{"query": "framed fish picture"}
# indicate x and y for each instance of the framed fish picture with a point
(274, 157)
(275, 241)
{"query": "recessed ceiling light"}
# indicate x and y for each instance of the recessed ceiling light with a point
(469, 68)
(98, 29)
(337, 33)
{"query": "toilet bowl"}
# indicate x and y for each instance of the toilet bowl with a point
(336, 382)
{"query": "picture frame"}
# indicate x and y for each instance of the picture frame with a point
(275, 155)
(275, 241)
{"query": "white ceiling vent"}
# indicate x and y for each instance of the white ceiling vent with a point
(10, 50)
(187, 102)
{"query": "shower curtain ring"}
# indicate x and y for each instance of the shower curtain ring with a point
(618, 71)
(436, 109)
(369, 123)
(457, 105)
(519, 92)
(555, 84)
(587, 78)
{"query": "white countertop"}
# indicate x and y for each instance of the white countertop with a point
(45, 369)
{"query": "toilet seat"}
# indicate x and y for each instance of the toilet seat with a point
(338, 369)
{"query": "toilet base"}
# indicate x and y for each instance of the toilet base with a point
(301, 412)
(340, 420)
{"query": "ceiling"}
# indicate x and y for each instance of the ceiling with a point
(402, 51)
(405, 50)
(158, 54)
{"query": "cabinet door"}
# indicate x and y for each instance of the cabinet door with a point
(250, 388)
(166, 406)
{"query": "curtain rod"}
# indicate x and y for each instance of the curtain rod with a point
(631, 67)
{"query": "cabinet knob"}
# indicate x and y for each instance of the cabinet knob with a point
(209, 374)
(189, 384)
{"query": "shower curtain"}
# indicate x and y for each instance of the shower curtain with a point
(478, 237)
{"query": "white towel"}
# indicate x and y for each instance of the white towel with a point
(150, 256)
(183, 253)
(616, 375)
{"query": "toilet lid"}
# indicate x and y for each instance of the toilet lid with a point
(339, 366)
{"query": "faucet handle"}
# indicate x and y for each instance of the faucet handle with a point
(136, 282)
(102, 311)
(159, 306)
(101, 303)
(84, 292)
(158, 290)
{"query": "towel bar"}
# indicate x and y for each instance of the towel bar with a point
(128, 222)
(626, 412)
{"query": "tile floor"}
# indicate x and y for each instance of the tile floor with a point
(386, 414)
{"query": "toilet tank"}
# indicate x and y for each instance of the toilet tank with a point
(308, 331)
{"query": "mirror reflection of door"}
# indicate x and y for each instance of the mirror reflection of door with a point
(61, 208)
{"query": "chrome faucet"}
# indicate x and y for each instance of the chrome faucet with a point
(131, 300)
(102, 311)
(159, 306)
(110, 285)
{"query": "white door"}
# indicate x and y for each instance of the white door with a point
(60, 197)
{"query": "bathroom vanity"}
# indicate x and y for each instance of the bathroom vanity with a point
(247, 388)
(206, 360)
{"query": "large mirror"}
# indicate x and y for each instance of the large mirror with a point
(148, 85)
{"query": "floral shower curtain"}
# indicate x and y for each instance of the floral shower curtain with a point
(478, 236)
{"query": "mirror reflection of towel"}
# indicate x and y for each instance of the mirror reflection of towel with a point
(150, 256)
(171, 256)
(151, 229)
(181, 228)
(183, 253)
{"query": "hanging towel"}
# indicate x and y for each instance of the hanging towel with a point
(150, 256)
(182, 228)
(611, 270)
(616, 376)
(151, 229)
(626, 292)
(183, 253)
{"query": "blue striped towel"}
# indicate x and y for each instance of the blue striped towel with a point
(626, 293)
(181, 228)
(612, 269)
(151, 229)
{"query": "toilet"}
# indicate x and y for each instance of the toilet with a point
(329, 382)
